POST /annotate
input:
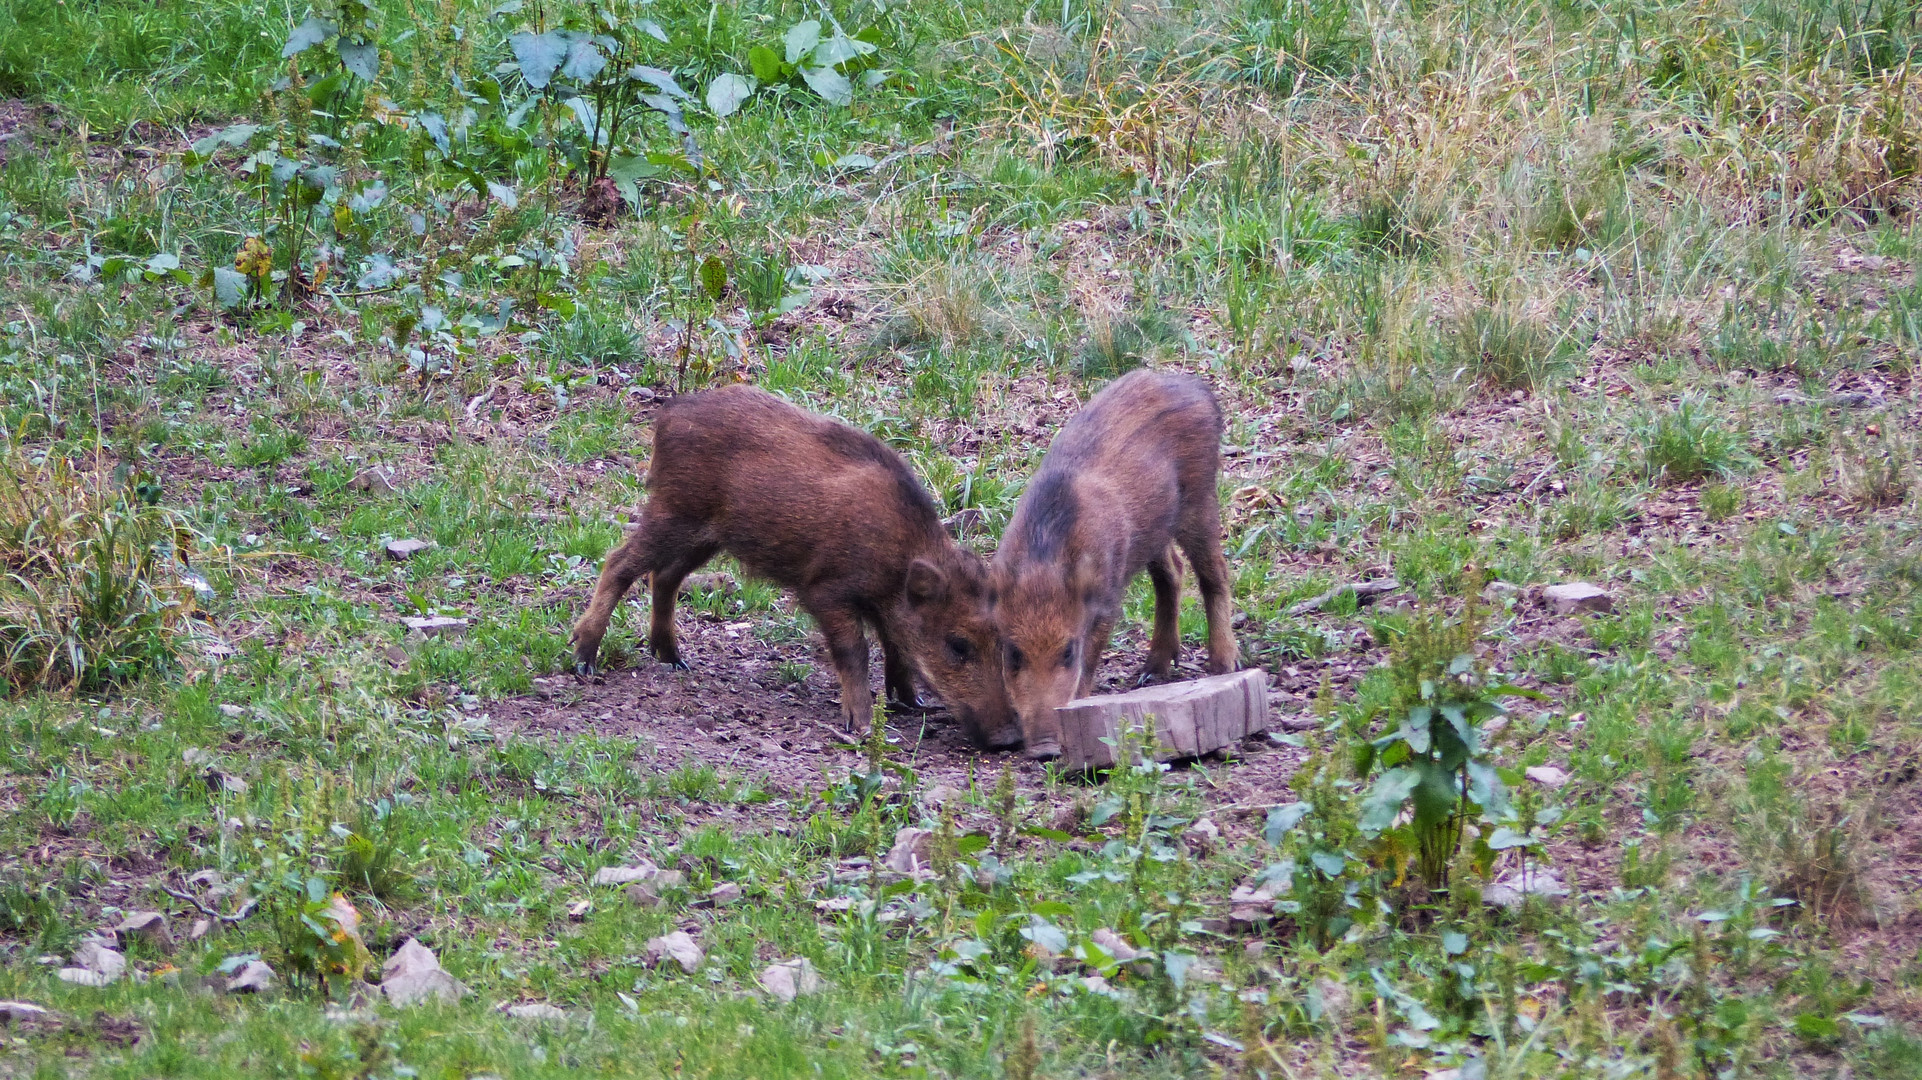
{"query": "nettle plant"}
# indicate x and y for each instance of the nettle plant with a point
(1432, 770)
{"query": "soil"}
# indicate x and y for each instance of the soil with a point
(739, 709)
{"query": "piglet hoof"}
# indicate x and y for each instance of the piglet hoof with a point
(584, 669)
(678, 664)
(1044, 751)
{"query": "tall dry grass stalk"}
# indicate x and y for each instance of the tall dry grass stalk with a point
(91, 576)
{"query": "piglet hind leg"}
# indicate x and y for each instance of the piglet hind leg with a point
(897, 676)
(627, 563)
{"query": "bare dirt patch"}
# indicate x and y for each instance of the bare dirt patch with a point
(735, 710)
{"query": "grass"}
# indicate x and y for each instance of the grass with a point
(1540, 292)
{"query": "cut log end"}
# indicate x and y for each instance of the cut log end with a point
(1190, 718)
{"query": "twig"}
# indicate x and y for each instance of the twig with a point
(246, 909)
(1539, 477)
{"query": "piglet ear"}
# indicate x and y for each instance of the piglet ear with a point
(926, 583)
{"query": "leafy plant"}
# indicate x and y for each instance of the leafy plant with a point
(1432, 762)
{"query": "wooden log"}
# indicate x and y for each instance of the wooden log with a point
(1191, 718)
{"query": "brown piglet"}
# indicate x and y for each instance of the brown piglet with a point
(832, 515)
(1128, 479)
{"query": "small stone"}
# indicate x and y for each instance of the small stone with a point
(677, 947)
(414, 974)
(623, 875)
(1515, 887)
(939, 795)
(1335, 999)
(577, 911)
(1547, 776)
(254, 977)
(218, 780)
(790, 979)
(1496, 592)
(402, 550)
(19, 1011)
(724, 894)
(82, 977)
(719, 581)
(1114, 945)
(1202, 837)
(535, 1010)
(199, 929)
(375, 481)
(99, 957)
(1578, 596)
(641, 393)
(1096, 984)
(911, 851)
(194, 755)
(148, 926)
(396, 655)
(232, 711)
(1254, 950)
(438, 626)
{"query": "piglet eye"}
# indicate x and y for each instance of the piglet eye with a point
(960, 650)
(1067, 654)
(1015, 659)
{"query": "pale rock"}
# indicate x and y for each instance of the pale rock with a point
(195, 756)
(911, 851)
(99, 957)
(199, 929)
(1115, 945)
(1496, 592)
(374, 481)
(1335, 1000)
(1578, 596)
(535, 1010)
(939, 795)
(792, 978)
(577, 911)
(1547, 776)
(148, 926)
(414, 974)
(724, 894)
(402, 550)
(1513, 888)
(1202, 837)
(677, 947)
(719, 581)
(16, 1011)
(437, 626)
(1096, 984)
(624, 875)
(82, 977)
(231, 712)
(254, 977)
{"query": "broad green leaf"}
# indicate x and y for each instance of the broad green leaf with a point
(766, 64)
(1177, 965)
(854, 162)
(503, 194)
(839, 49)
(1055, 835)
(1281, 819)
(584, 59)
(436, 128)
(713, 277)
(651, 29)
(726, 93)
(632, 168)
(1815, 1026)
(539, 56)
(1436, 796)
(1103, 811)
(230, 287)
(659, 79)
(1486, 790)
(1511, 690)
(972, 844)
(1329, 862)
(833, 86)
(360, 57)
(1454, 942)
(1046, 934)
(307, 35)
(1415, 734)
(1383, 801)
(801, 39)
(1504, 838)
